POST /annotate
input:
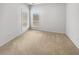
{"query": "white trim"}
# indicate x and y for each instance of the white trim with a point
(72, 41)
(48, 31)
(11, 38)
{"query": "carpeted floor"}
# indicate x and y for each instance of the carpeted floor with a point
(35, 42)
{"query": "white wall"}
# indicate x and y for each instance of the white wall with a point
(52, 17)
(72, 23)
(10, 21)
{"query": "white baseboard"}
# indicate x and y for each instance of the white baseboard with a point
(7, 40)
(50, 31)
(72, 41)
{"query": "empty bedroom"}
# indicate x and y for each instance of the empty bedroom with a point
(39, 29)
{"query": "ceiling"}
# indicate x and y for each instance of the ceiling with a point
(33, 3)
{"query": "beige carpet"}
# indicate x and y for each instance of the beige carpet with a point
(40, 43)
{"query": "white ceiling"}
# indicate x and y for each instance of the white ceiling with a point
(33, 3)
